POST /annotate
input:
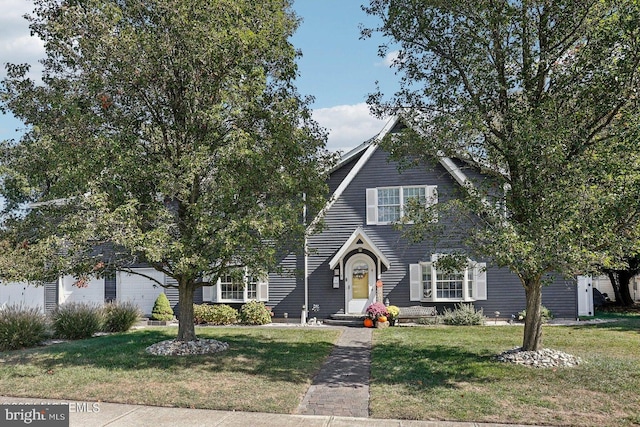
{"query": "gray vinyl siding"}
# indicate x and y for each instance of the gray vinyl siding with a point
(504, 291)
(286, 288)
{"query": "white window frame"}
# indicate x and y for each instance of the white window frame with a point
(260, 292)
(474, 282)
(372, 196)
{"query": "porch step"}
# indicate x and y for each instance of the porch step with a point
(341, 319)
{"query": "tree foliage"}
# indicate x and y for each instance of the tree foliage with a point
(166, 132)
(542, 97)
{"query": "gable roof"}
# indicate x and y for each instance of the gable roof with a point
(358, 240)
(366, 150)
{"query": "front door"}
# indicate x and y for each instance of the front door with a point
(360, 279)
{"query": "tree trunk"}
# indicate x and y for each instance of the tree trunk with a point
(186, 327)
(620, 282)
(532, 340)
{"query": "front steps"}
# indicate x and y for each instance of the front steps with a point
(341, 319)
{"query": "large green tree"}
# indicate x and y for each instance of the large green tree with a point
(535, 93)
(168, 132)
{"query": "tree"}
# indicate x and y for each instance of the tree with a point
(620, 279)
(532, 93)
(165, 132)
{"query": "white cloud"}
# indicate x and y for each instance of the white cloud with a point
(348, 125)
(389, 58)
(17, 46)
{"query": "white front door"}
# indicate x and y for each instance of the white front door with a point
(360, 280)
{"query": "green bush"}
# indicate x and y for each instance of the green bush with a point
(463, 315)
(162, 309)
(215, 314)
(120, 316)
(202, 313)
(21, 327)
(545, 314)
(255, 313)
(76, 321)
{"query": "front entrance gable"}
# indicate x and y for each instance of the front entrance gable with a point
(358, 241)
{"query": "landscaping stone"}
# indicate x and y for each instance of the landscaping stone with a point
(185, 348)
(545, 358)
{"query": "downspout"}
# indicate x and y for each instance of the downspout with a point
(303, 315)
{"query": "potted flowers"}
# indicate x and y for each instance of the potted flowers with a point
(394, 313)
(378, 313)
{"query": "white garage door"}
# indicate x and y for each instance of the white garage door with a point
(92, 293)
(139, 289)
(22, 293)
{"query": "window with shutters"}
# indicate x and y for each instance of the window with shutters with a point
(386, 205)
(432, 285)
(241, 288)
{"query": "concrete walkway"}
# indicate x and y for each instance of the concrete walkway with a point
(341, 388)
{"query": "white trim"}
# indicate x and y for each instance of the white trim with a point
(455, 171)
(350, 244)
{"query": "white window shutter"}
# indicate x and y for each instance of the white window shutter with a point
(480, 279)
(415, 282)
(263, 290)
(215, 291)
(372, 206)
(207, 293)
(432, 195)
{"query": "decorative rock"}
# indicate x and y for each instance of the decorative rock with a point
(185, 348)
(545, 358)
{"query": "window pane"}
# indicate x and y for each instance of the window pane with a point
(416, 192)
(449, 285)
(426, 282)
(388, 204)
(252, 288)
(230, 289)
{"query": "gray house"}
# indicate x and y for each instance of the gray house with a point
(359, 245)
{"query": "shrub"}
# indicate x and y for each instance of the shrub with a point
(21, 327)
(76, 321)
(255, 313)
(545, 314)
(202, 313)
(463, 315)
(376, 310)
(215, 314)
(120, 316)
(162, 309)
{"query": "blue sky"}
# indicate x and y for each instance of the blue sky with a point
(337, 68)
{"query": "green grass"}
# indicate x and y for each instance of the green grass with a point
(426, 373)
(448, 373)
(265, 369)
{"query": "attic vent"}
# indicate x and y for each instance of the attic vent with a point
(359, 242)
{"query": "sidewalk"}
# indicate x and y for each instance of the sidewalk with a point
(120, 415)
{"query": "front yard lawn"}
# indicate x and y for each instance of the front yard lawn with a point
(265, 369)
(448, 373)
